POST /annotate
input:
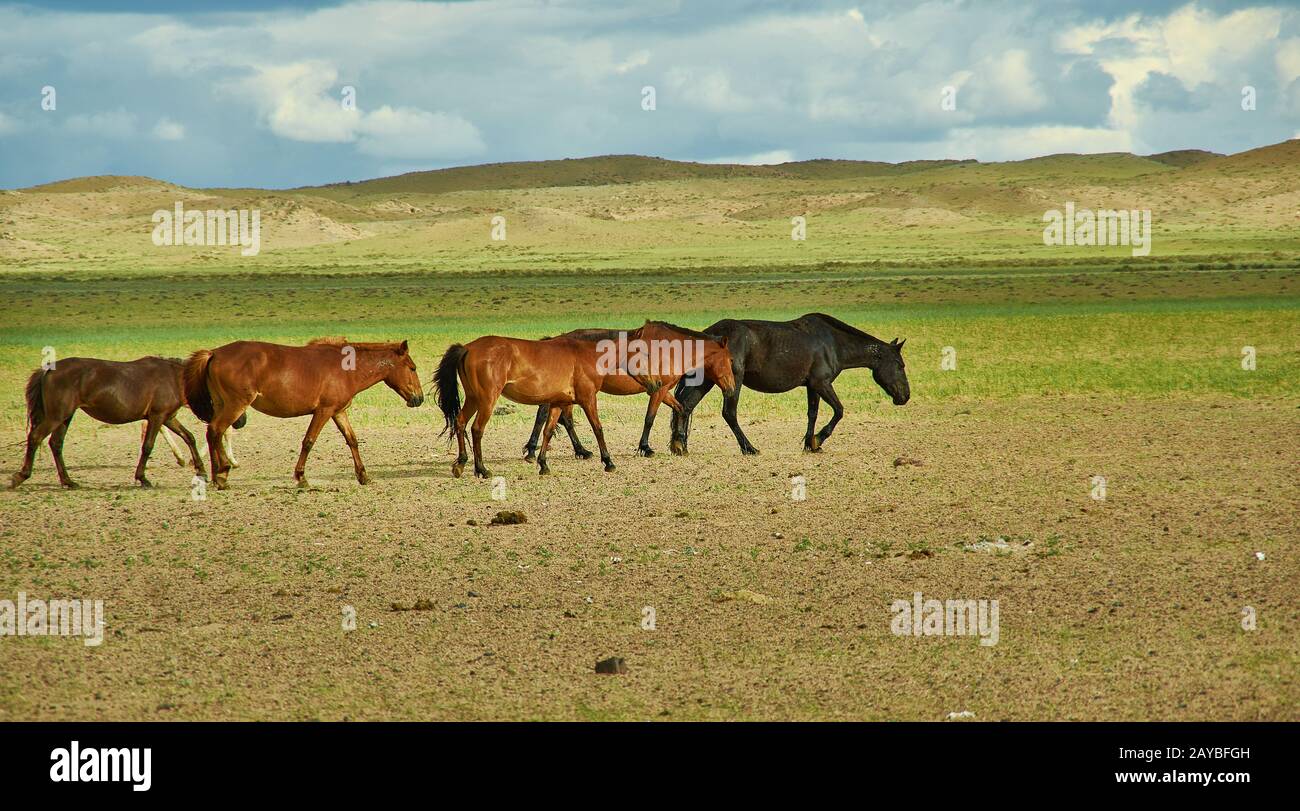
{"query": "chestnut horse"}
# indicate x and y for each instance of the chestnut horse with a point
(319, 379)
(555, 372)
(715, 365)
(114, 392)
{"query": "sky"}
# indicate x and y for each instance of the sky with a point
(286, 93)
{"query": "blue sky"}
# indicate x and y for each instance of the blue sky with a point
(251, 93)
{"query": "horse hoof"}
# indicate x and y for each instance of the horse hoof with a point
(145, 482)
(456, 470)
(364, 478)
(677, 448)
(181, 463)
(645, 450)
(543, 471)
(751, 451)
(530, 457)
(483, 473)
(70, 484)
(234, 465)
(302, 483)
(609, 467)
(583, 454)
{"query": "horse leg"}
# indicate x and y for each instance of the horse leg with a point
(174, 425)
(589, 408)
(309, 439)
(810, 443)
(466, 412)
(480, 422)
(35, 437)
(530, 447)
(56, 446)
(643, 448)
(828, 394)
(171, 443)
(566, 419)
(229, 449)
(729, 407)
(152, 423)
(552, 417)
(690, 397)
(345, 427)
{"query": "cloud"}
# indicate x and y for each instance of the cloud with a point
(409, 134)
(109, 124)
(758, 159)
(753, 80)
(168, 130)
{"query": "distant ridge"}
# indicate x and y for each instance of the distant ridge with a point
(605, 170)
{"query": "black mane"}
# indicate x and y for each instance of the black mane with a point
(849, 328)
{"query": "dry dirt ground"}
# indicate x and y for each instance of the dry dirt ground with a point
(1125, 608)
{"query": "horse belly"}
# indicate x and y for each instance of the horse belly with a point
(276, 408)
(521, 392)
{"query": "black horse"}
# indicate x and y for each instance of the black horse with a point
(777, 356)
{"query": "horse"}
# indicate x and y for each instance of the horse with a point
(777, 356)
(115, 392)
(715, 363)
(554, 372)
(229, 444)
(319, 379)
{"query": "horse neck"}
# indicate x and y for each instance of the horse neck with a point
(855, 352)
(371, 367)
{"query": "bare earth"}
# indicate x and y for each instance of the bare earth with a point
(1127, 608)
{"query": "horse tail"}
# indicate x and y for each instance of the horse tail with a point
(197, 395)
(35, 393)
(448, 389)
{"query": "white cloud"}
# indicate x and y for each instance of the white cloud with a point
(409, 134)
(168, 130)
(109, 124)
(758, 158)
(8, 124)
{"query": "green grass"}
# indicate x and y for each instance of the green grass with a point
(1048, 332)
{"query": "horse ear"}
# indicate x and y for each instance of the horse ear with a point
(722, 342)
(900, 344)
(401, 350)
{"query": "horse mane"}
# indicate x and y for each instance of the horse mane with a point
(694, 333)
(339, 340)
(849, 328)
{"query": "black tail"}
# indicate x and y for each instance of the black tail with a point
(449, 388)
(36, 398)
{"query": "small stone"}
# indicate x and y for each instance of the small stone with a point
(614, 665)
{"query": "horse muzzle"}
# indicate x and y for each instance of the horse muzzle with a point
(414, 401)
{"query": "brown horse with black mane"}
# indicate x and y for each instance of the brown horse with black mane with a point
(558, 373)
(115, 392)
(319, 379)
(713, 361)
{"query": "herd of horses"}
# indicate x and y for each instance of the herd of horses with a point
(555, 374)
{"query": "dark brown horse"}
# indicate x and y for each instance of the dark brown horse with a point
(707, 354)
(115, 392)
(319, 379)
(556, 372)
